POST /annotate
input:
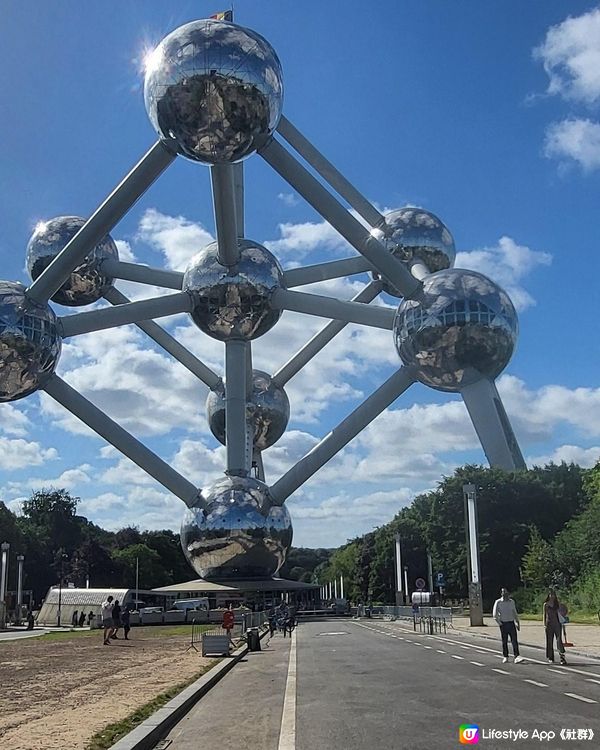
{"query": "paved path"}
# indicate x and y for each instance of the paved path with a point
(15, 635)
(374, 685)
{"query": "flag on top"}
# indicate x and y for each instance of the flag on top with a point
(225, 15)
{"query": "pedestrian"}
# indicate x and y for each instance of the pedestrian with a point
(107, 621)
(82, 619)
(126, 621)
(90, 619)
(505, 614)
(116, 616)
(553, 627)
(75, 619)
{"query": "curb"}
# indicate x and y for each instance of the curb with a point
(147, 734)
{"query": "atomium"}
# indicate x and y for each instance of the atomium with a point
(30, 343)
(235, 532)
(87, 282)
(461, 328)
(214, 90)
(268, 411)
(416, 235)
(234, 303)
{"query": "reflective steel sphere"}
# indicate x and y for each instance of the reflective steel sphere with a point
(236, 534)
(214, 89)
(268, 409)
(414, 234)
(29, 343)
(461, 327)
(87, 283)
(234, 303)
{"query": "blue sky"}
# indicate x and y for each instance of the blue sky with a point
(487, 114)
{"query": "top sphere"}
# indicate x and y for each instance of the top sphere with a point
(214, 90)
(460, 328)
(87, 282)
(414, 234)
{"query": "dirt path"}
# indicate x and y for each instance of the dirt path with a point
(57, 694)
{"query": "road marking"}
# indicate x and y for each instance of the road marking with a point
(467, 648)
(287, 733)
(427, 647)
(580, 698)
(556, 671)
(589, 679)
(440, 651)
(537, 684)
(501, 671)
(477, 664)
(454, 656)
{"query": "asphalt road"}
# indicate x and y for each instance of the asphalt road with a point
(374, 685)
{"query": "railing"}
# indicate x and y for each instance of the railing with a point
(407, 613)
(430, 625)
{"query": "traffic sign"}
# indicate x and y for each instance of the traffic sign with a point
(420, 584)
(440, 579)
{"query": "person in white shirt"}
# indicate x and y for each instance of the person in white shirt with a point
(505, 614)
(107, 619)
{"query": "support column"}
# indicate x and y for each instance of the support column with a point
(399, 595)
(235, 408)
(224, 200)
(473, 566)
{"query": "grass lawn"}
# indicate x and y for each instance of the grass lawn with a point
(148, 631)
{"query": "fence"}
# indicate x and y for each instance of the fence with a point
(200, 633)
(430, 625)
(407, 613)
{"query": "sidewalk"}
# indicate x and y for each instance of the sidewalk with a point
(585, 638)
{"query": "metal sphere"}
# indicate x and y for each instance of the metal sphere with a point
(234, 303)
(87, 283)
(236, 533)
(214, 90)
(460, 328)
(414, 234)
(29, 342)
(268, 410)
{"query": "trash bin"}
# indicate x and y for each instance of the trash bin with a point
(253, 639)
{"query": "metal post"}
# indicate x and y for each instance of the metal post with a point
(20, 561)
(5, 546)
(122, 440)
(224, 200)
(339, 218)
(492, 425)
(342, 586)
(137, 581)
(119, 269)
(430, 572)
(399, 595)
(406, 584)
(341, 435)
(473, 566)
(333, 269)
(135, 184)
(235, 408)
(329, 307)
(238, 187)
(60, 585)
(335, 590)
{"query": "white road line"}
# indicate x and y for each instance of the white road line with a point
(556, 671)
(454, 656)
(477, 664)
(468, 648)
(440, 651)
(287, 733)
(501, 671)
(537, 684)
(427, 647)
(589, 679)
(580, 698)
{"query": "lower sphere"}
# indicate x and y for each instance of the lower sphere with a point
(236, 534)
(461, 328)
(30, 343)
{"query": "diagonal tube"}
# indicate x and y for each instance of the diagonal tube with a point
(168, 343)
(340, 219)
(132, 312)
(321, 339)
(334, 177)
(135, 184)
(113, 433)
(329, 307)
(118, 269)
(323, 271)
(225, 206)
(341, 435)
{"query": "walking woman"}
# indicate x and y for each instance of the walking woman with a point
(553, 627)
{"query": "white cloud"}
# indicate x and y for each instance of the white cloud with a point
(574, 140)
(297, 241)
(126, 254)
(288, 199)
(506, 263)
(586, 457)
(176, 237)
(570, 54)
(68, 480)
(13, 421)
(20, 454)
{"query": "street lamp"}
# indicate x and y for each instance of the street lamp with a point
(406, 584)
(473, 564)
(63, 557)
(20, 561)
(5, 546)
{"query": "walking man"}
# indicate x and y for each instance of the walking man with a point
(505, 614)
(107, 620)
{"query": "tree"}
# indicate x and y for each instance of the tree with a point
(152, 572)
(538, 560)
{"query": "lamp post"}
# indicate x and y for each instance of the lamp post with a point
(63, 557)
(406, 584)
(473, 564)
(399, 594)
(5, 546)
(20, 560)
